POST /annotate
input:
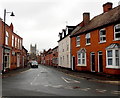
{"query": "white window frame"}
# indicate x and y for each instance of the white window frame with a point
(81, 58)
(13, 40)
(113, 59)
(6, 38)
(18, 41)
(118, 25)
(87, 36)
(102, 36)
(77, 41)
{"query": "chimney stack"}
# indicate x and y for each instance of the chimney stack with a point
(107, 6)
(86, 18)
(11, 27)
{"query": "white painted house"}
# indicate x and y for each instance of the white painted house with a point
(64, 50)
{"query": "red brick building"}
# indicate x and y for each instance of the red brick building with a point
(96, 43)
(55, 56)
(42, 55)
(48, 57)
(24, 56)
(11, 46)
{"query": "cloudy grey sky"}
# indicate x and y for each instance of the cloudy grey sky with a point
(40, 21)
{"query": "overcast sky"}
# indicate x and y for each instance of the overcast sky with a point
(40, 21)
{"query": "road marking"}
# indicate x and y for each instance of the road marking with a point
(65, 80)
(85, 89)
(68, 80)
(100, 90)
(57, 86)
(33, 80)
(115, 92)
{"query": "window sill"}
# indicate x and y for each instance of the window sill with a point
(102, 42)
(81, 65)
(78, 46)
(116, 40)
(113, 67)
(88, 44)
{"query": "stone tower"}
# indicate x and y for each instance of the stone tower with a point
(33, 51)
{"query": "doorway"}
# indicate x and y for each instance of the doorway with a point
(100, 62)
(93, 62)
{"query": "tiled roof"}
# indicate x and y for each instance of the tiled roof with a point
(101, 20)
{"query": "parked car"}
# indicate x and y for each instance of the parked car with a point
(34, 64)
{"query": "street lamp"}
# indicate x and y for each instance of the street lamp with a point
(4, 33)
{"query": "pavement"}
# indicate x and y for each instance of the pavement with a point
(103, 78)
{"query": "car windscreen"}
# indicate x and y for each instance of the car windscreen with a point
(34, 63)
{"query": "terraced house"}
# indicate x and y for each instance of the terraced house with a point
(96, 42)
(64, 49)
(12, 55)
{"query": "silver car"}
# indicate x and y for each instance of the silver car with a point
(34, 64)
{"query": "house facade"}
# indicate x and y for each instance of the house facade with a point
(96, 45)
(24, 57)
(55, 56)
(1, 45)
(64, 50)
(11, 46)
(48, 57)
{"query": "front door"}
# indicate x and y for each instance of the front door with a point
(6, 61)
(93, 62)
(100, 62)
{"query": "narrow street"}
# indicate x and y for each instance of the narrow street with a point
(46, 81)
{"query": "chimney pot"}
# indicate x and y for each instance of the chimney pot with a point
(107, 6)
(86, 18)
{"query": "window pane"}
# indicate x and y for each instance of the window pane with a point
(110, 61)
(109, 53)
(103, 32)
(88, 35)
(117, 29)
(83, 61)
(104, 38)
(79, 55)
(116, 53)
(79, 61)
(117, 35)
(88, 41)
(117, 62)
(83, 55)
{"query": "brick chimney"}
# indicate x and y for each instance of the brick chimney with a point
(107, 6)
(86, 18)
(11, 27)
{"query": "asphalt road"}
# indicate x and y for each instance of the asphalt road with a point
(46, 81)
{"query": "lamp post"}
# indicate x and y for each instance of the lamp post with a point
(4, 33)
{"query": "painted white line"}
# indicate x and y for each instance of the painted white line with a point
(76, 81)
(116, 92)
(65, 80)
(100, 90)
(85, 89)
(33, 80)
